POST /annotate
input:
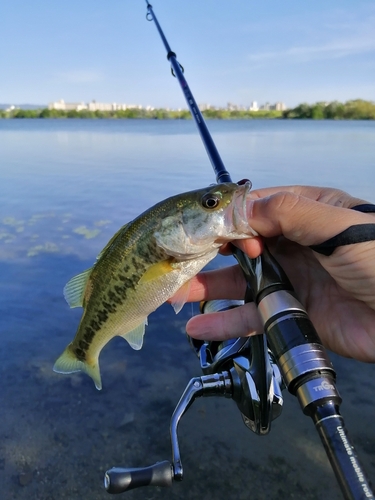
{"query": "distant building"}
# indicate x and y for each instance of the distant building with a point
(265, 107)
(101, 106)
(67, 106)
(204, 107)
(113, 106)
(91, 106)
(235, 107)
(11, 108)
(279, 106)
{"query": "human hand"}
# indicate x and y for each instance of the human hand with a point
(338, 291)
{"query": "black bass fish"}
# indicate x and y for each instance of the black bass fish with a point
(144, 264)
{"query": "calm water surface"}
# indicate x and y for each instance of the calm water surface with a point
(66, 187)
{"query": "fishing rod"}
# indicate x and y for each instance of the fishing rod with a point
(253, 371)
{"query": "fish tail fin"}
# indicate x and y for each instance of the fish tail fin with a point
(69, 363)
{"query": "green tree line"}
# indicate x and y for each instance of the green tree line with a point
(157, 114)
(351, 110)
(357, 109)
(160, 114)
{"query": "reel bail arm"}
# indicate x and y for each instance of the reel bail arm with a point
(236, 383)
(119, 480)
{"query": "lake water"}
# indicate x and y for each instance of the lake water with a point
(66, 186)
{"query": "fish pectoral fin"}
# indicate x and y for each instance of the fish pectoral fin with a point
(135, 336)
(74, 290)
(180, 297)
(68, 363)
(157, 271)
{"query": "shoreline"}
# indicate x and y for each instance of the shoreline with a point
(351, 110)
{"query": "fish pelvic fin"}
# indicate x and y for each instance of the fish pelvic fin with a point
(135, 336)
(74, 290)
(69, 363)
(180, 297)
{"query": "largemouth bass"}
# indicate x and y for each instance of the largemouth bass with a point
(145, 263)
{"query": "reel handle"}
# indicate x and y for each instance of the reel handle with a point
(118, 479)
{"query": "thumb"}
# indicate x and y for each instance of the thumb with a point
(300, 219)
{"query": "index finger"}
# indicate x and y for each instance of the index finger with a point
(225, 283)
(327, 195)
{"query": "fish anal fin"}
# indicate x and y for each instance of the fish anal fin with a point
(180, 297)
(74, 290)
(157, 271)
(69, 363)
(135, 336)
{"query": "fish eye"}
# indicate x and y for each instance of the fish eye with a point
(210, 201)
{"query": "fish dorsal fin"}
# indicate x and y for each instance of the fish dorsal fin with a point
(135, 336)
(74, 290)
(157, 271)
(180, 297)
(112, 240)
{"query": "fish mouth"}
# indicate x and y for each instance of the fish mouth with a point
(239, 216)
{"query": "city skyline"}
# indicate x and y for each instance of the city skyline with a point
(94, 105)
(115, 106)
(292, 53)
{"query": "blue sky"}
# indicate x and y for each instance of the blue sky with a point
(238, 51)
